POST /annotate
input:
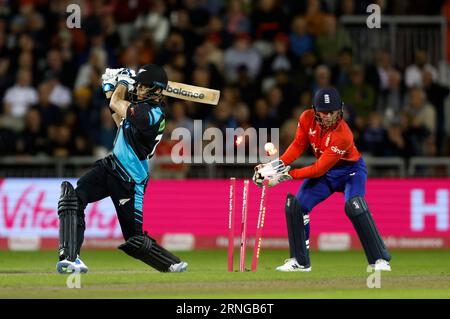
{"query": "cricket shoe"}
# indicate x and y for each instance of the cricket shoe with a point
(67, 267)
(381, 265)
(292, 264)
(180, 267)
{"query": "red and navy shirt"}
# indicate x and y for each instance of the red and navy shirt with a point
(332, 147)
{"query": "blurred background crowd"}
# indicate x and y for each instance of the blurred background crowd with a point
(268, 57)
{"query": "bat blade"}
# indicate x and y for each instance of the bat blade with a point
(192, 93)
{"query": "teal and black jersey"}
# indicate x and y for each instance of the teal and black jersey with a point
(137, 138)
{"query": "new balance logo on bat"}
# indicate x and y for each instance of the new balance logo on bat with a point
(182, 92)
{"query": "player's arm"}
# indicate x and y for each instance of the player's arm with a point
(117, 119)
(118, 104)
(298, 145)
(327, 160)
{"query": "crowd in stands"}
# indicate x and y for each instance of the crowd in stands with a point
(268, 57)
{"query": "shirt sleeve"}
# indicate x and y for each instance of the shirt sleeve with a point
(326, 161)
(298, 145)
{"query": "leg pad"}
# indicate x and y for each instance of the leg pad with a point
(296, 231)
(358, 212)
(69, 222)
(146, 249)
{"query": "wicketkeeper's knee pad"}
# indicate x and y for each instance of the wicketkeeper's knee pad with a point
(71, 223)
(358, 212)
(146, 249)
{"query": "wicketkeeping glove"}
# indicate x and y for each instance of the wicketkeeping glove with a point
(275, 171)
(258, 179)
(280, 177)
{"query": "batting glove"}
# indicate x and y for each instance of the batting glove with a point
(124, 77)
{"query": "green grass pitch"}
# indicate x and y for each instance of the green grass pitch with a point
(112, 274)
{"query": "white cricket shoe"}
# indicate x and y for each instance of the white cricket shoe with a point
(381, 265)
(291, 264)
(67, 267)
(180, 267)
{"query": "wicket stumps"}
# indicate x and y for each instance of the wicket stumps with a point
(243, 238)
(259, 226)
(231, 224)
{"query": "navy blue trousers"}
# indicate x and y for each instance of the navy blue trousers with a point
(348, 179)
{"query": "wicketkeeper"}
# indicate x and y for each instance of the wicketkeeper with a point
(137, 107)
(339, 168)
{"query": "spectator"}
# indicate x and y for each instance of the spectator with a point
(61, 143)
(303, 73)
(315, 18)
(111, 33)
(261, 117)
(235, 20)
(374, 138)
(395, 141)
(413, 73)
(97, 60)
(57, 66)
(50, 113)
(390, 101)
(300, 41)
(359, 95)
(60, 95)
(201, 60)
(420, 110)
(280, 59)
(436, 94)
(241, 113)
(275, 100)
(267, 20)
(416, 135)
(126, 12)
(248, 89)
(341, 71)
(378, 73)
(241, 54)
(322, 78)
(156, 21)
(21, 96)
(174, 44)
(87, 117)
(331, 41)
(32, 140)
(215, 56)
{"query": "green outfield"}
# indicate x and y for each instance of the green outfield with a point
(416, 274)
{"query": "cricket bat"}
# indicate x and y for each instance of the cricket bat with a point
(192, 93)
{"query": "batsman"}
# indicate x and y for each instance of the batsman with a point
(137, 107)
(339, 168)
